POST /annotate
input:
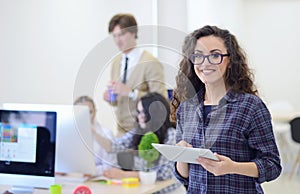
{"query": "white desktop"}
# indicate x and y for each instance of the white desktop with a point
(27, 149)
(74, 143)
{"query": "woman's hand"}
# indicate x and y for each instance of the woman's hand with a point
(183, 168)
(224, 166)
(114, 173)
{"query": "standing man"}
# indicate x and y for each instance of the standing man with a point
(134, 73)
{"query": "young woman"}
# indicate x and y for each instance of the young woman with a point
(218, 108)
(153, 112)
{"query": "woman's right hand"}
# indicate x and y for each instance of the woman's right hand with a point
(183, 168)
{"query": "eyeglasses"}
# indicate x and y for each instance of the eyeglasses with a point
(214, 59)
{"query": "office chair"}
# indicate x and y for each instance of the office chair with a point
(295, 132)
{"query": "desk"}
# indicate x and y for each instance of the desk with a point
(96, 187)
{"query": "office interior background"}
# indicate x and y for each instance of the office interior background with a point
(45, 44)
(53, 51)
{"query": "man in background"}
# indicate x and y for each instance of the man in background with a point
(134, 73)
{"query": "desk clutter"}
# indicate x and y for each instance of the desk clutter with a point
(128, 186)
(125, 182)
(83, 189)
(80, 189)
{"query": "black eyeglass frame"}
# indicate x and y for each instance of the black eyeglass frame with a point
(207, 56)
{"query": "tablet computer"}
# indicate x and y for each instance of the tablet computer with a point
(183, 154)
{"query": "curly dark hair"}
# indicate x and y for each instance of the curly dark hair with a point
(157, 110)
(238, 77)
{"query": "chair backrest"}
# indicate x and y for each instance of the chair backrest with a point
(295, 129)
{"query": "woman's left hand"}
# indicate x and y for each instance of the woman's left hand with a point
(114, 173)
(224, 166)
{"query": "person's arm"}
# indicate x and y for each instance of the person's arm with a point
(245, 168)
(265, 166)
(226, 166)
(181, 170)
(116, 144)
(104, 142)
(121, 88)
(114, 77)
(115, 173)
(181, 167)
(261, 138)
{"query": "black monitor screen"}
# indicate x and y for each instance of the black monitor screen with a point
(27, 142)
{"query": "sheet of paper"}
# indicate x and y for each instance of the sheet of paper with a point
(183, 154)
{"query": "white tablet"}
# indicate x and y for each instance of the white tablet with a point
(183, 154)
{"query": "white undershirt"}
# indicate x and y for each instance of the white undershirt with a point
(133, 58)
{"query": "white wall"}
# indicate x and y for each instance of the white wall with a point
(225, 14)
(172, 17)
(272, 41)
(44, 43)
(268, 30)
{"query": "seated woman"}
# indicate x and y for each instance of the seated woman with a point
(153, 115)
(103, 159)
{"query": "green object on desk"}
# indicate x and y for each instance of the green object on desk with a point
(102, 182)
(55, 189)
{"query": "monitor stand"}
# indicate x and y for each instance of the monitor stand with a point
(21, 189)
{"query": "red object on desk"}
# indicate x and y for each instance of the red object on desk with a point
(81, 189)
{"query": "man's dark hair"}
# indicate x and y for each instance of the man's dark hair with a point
(126, 22)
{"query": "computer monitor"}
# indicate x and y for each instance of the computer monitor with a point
(74, 142)
(27, 149)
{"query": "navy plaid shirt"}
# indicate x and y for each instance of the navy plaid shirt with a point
(240, 128)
